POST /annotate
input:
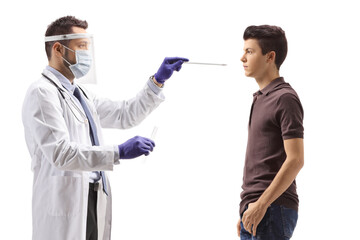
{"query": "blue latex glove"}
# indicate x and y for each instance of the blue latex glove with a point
(136, 147)
(167, 68)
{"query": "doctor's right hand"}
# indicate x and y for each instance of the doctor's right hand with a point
(169, 65)
(136, 147)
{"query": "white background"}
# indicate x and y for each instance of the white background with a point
(189, 187)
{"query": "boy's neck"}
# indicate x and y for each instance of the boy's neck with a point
(266, 79)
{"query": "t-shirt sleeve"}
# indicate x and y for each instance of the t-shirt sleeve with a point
(290, 116)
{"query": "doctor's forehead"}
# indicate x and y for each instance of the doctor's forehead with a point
(75, 29)
(79, 40)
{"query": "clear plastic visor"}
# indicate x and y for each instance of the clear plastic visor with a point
(78, 41)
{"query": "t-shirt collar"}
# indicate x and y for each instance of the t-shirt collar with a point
(273, 84)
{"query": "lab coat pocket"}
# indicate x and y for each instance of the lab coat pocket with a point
(64, 196)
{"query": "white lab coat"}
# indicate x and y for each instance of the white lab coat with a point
(57, 136)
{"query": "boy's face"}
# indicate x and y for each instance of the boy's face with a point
(254, 62)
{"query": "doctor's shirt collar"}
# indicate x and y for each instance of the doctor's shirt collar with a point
(63, 80)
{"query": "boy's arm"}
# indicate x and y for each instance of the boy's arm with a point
(294, 149)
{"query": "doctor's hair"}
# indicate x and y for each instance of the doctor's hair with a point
(270, 38)
(59, 27)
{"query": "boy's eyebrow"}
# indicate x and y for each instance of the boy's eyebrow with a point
(249, 49)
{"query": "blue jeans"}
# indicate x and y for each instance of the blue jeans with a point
(278, 224)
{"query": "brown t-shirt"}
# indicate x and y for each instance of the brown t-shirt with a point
(276, 115)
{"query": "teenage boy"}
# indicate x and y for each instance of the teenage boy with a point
(275, 150)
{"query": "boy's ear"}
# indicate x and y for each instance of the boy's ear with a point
(271, 56)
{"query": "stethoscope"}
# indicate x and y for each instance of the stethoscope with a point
(63, 92)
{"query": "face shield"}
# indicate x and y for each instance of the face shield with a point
(79, 55)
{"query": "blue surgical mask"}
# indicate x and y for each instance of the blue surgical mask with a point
(83, 62)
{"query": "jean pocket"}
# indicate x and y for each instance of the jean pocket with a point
(289, 220)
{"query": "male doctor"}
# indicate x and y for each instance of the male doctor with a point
(62, 123)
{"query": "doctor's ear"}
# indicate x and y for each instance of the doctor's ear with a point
(58, 49)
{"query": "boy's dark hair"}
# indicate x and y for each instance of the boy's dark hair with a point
(62, 26)
(270, 38)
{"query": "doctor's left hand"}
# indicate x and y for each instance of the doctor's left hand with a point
(136, 147)
(169, 65)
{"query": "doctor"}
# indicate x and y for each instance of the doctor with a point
(62, 123)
